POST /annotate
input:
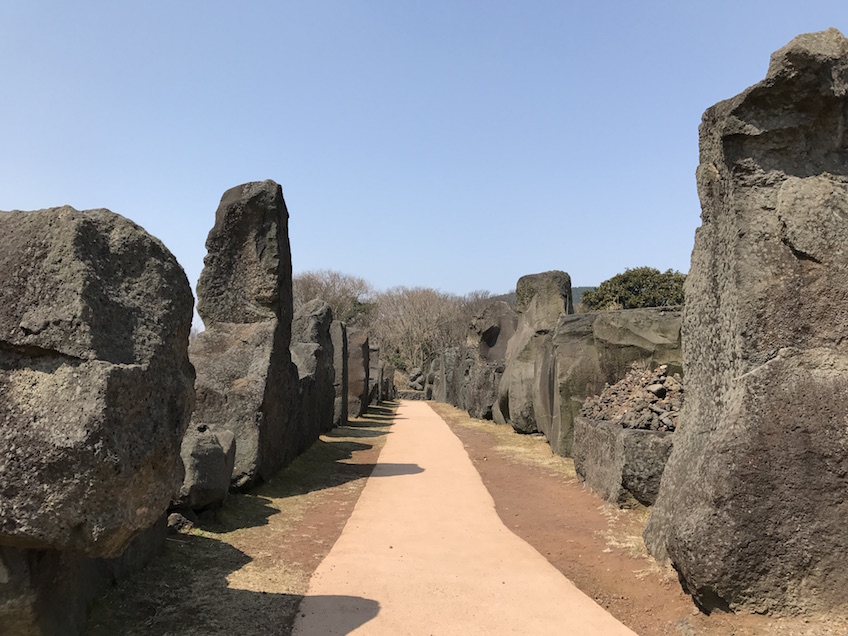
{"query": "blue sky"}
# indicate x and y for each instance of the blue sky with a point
(456, 145)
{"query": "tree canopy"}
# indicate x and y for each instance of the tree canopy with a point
(637, 287)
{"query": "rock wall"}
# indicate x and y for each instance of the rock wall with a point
(540, 300)
(751, 509)
(594, 349)
(358, 369)
(246, 380)
(338, 336)
(312, 352)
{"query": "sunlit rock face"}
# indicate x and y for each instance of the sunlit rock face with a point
(751, 510)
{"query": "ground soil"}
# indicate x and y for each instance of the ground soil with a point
(246, 571)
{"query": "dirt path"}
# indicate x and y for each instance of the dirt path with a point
(247, 572)
(424, 552)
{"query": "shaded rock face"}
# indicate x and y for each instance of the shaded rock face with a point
(488, 339)
(338, 336)
(95, 383)
(594, 349)
(312, 352)
(358, 369)
(751, 508)
(246, 380)
(47, 592)
(541, 300)
(208, 457)
(624, 466)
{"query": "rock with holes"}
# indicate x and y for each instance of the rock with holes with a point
(246, 380)
(338, 335)
(358, 370)
(208, 457)
(95, 382)
(751, 510)
(312, 352)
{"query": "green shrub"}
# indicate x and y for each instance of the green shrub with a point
(638, 287)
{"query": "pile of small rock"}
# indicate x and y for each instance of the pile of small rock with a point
(644, 399)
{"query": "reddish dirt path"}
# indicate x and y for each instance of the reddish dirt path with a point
(424, 552)
(596, 545)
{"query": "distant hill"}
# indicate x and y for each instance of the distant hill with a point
(577, 293)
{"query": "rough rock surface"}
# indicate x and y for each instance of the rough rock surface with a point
(751, 510)
(488, 339)
(338, 336)
(247, 269)
(312, 352)
(95, 384)
(647, 400)
(358, 368)
(541, 300)
(624, 466)
(595, 349)
(48, 592)
(246, 380)
(208, 457)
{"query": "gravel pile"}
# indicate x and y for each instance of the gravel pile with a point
(648, 400)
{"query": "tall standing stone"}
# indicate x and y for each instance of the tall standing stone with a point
(312, 352)
(246, 381)
(540, 300)
(358, 369)
(338, 335)
(751, 510)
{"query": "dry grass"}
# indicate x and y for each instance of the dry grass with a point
(527, 449)
(246, 571)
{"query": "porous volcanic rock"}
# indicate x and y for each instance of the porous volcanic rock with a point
(751, 510)
(594, 349)
(541, 300)
(95, 383)
(643, 399)
(312, 352)
(487, 341)
(246, 380)
(208, 457)
(358, 369)
(338, 336)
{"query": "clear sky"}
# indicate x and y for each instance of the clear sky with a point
(449, 144)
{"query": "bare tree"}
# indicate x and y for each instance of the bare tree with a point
(412, 325)
(350, 297)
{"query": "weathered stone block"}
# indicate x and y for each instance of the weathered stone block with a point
(624, 466)
(751, 510)
(95, 383)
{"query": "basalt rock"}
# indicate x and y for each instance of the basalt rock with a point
(312, 352)
(358, 369)
(338, 336)
(95, 383)
(594, 349)
(751, 510)
(246, 380)
(208, 457)
(541, 300)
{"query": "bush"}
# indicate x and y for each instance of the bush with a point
(638, 287)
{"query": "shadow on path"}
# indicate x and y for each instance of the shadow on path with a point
(187, 594)
(338, 614)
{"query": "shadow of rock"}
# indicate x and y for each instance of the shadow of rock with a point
(332, 615)
(185, 592)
